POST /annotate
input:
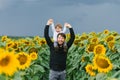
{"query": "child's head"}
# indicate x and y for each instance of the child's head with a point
(58, 28)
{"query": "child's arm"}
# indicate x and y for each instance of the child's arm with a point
(53, 27)
(54, 31)
(64, 29)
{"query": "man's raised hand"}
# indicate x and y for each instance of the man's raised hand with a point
(50, 21)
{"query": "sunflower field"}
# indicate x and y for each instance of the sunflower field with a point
(93, 56)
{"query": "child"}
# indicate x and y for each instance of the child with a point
(56, 30)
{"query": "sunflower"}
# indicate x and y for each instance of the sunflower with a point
(36, 38)
(27, 43)
(84, 36)
(76, 36)
(4, 38)
(15, 45)
(41, 41)
(21, 41)
(24, 60)
(110, 38)
(8, 63)
(68, 36)
(19, 49)
(102, 63)
(111, 44)
(99, 49)
(1, 50)
(9, 45)
(90, 47)
(33, 55)
(90, 69)
(81, 44)
(83, 59)
(76, 41)
(33, 50)
(93, 33)
(106, 31)
(115, 34)
(94, 40)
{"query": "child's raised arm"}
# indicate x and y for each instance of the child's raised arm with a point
(65, 28)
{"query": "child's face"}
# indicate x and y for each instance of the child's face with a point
(58, 29)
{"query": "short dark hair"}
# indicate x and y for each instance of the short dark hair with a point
(62, 34)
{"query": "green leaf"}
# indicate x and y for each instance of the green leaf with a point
(101, 76)
(17, 76)
(35, 78)
(38, 68)
(2, 77)
(116, 75)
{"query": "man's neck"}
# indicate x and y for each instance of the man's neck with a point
(60, 45)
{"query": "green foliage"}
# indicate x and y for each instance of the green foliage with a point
(39, 68)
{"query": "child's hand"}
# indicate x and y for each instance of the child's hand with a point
(50, 21)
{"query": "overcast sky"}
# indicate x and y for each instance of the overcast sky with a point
(28, 17)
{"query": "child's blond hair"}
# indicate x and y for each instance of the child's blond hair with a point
(58, 25)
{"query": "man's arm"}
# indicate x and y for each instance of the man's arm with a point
(72, 36)
(46, 33)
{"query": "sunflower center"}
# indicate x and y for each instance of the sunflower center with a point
(94, 40)
(5, 61)
(102, 63)
(33, 56)
(98, 50)
(33, 50)
(91, 47)
(10, 44)
(90, 68)
(111, 44)
(22, 59)
(109, 39)
(43, 42)
(15, 45)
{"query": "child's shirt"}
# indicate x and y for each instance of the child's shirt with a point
(56, 33)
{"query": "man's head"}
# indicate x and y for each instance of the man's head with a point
(58, 28)
(61, 38)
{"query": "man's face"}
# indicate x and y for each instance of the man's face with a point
(60, 40)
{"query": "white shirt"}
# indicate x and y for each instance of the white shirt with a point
(56, 33)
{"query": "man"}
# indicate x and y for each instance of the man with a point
(58, 57)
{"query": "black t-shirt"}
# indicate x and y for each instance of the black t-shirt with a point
(58, 58)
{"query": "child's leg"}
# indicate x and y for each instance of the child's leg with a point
(65, 46)
(55, 44)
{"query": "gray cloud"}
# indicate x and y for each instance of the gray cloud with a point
(77, 2)
(6, 3)
(30, 16)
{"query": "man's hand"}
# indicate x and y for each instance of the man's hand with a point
(50, 21)
(67, 25)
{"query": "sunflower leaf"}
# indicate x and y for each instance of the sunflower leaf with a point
(101, 76)
(37, 68)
